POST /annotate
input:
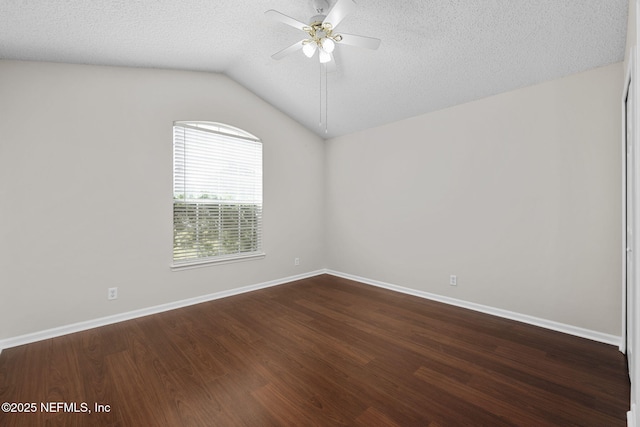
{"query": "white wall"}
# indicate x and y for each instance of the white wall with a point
(85, 190)
(631, 29)
(517, 194)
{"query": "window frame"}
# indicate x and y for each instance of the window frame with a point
(226, 131)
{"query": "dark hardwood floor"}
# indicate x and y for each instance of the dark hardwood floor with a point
(323, 351)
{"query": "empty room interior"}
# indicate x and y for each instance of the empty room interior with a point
(319, 212)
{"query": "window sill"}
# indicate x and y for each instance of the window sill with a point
(187, 265)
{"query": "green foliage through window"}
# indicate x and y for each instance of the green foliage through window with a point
(202, 230)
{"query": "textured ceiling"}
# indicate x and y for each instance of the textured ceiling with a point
(434, 53)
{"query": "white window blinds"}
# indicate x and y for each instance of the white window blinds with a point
(217, 193)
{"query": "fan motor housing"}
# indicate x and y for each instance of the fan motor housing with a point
(318, 19)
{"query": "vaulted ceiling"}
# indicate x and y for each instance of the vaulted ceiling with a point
(434, 53)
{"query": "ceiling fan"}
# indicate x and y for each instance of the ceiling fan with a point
(321, 32)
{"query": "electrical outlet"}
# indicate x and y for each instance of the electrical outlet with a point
(453, 280)
(296, 261)
(112, 293)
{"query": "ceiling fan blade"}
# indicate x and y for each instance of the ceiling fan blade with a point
(281, 17)
(360, 41)
(337, 13)
(286, 51)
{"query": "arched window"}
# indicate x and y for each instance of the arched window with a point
(217, 194)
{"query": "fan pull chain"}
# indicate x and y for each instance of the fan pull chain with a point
(326, 101)
(324, 96)
(320, 96)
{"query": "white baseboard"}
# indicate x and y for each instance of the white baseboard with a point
(631, 416)
(548, 324)
(108, 320)
(103, 321)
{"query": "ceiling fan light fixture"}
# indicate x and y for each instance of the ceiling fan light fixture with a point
(328, 45)
(321, 38)
(324, 56)
(309, 48)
